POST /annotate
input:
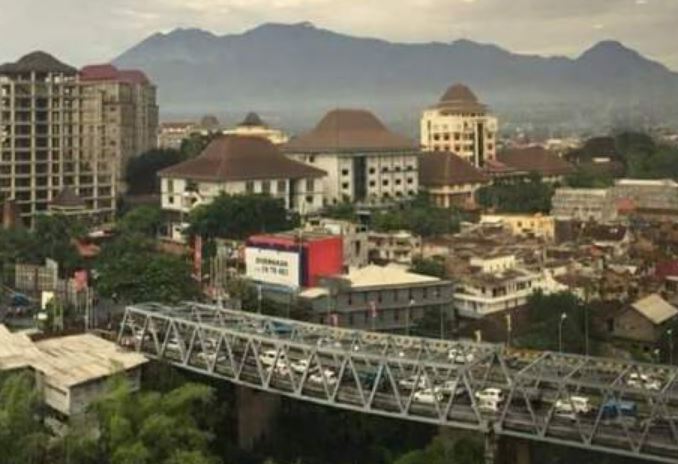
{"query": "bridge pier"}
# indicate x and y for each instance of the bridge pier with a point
(256, 415)
(506, 450)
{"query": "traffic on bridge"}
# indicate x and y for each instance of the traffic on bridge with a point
(608, 405)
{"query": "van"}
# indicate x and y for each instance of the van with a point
(619, 410)
(573, 404)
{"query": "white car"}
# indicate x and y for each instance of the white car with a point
(490, 394)
(267, 358)
(448, 388)
(428, 396)
(568, 408)
(488, 404)
(301, 365)
(329, 377)
(459, 356)
(210, 357)
(643, 381)
(410, 383)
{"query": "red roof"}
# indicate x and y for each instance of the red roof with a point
(108, 72)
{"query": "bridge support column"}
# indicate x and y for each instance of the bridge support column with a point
(490, 447)
(256, 415)
(511, 451)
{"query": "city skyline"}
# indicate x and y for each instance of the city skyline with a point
(529, 27)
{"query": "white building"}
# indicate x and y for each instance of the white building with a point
(364, 161)
(238, 165)
(461, 125)
(393, 247)
(584, 204)
(253, 126)
(499, 284)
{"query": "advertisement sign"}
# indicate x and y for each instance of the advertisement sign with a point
(272, 266)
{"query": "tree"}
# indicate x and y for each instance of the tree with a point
(144, 220)
(430, 267)
(239, 216)
(345, 211)
(142, 171)
(529, 196)
(196, 143)
(420, 216)
(23, 437)
(442, 451)
(129, 269)
(586, 178)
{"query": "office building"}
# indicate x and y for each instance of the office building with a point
(460, 124)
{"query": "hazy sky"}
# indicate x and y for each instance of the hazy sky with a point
(86, 31)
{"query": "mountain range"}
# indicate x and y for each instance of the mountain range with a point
(293, 73)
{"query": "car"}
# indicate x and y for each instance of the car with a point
(301, 365)
(448, 388)
(643, 381)
(267, 358)
(411, 382)
(427, 396)
(626, 411)
(329, 377)
(490, 394)
(488, 404)
(210, 357)
(569, 407)
(459, 356)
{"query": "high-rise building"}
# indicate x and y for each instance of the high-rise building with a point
(60, 129)
(460, 124)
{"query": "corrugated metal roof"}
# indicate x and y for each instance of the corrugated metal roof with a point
(655, 308)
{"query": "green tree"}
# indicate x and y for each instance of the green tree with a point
(142, 171)
(130, 270)
(238, 217)
(420, 216)
(345, 211)
(23, 438)
(196, 143)
(433, 267)
(443, 451)
(144, 220)
(586, 178)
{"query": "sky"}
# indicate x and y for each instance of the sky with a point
(93, 31)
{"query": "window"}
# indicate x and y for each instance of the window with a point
(170, 186)
(372, 183)
(384, 169)
(344, 172)
(266, 186)
(410, 180)
(398, 181)
(282, 186)
(249, 186)
(372, 170)
(344, 186)
(310, 185)
(311, 159)
(309, 199)
(385, 183)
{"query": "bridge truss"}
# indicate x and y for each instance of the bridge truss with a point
(607, 405)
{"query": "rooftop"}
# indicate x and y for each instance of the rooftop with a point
(459, 98)
(441, 169)
(350, 130)
(390, 275)
(535, 159)
(108, 72)
(252, 120)
(37, 61)
(655, 308)
(237, 158)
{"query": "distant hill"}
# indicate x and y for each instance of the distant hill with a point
(297, 72)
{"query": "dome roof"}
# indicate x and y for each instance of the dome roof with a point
(459, 97)
(37, 61)
(252, 120)
(343, 130)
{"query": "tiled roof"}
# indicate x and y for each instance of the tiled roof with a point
(535, 159)
(348, 130)
(38, 61)
(444, 168)
(459, 98)
(233, 158)
(252, 120)
(108, 72)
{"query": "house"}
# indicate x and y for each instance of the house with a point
(450, 180)
(238, 165)
(645, 321)
(393, 247)
(536, 159)
(524, 225)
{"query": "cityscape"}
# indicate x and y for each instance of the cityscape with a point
(325, 239)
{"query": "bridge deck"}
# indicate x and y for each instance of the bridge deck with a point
(608, 405)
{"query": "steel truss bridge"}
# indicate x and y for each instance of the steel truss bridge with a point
(438, 382)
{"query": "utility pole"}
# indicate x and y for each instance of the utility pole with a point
(563, 317)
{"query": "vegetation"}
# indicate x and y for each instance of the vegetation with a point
(131, 269)
(442, 451)
(420, 216)
(239, 216)
(345, 211)
(531, 196)
(142, 171)
(586, 178)
(431, 267)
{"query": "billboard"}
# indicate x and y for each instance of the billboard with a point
(273, 266)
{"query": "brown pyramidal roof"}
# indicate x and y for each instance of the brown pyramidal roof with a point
(37, 61)
(459, 98)
(536, 159)
(252, 120)
(349, 130)
(234, 158)
(68, 198)
(438, 169)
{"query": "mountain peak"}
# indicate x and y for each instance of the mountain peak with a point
(609, 48)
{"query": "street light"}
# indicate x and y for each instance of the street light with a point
(508, 330)
(407, 316)
(563, 317)
(670, 334)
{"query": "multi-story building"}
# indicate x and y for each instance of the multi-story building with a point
(365, 162)
(59, 130)
(449, 180)
(238, 165)
(385, 298)
(459, 123)
(393, 247)
(524, 225)
(119, 114)
(583, 204)
(172, 134)
(354, 236)
(253, 125)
